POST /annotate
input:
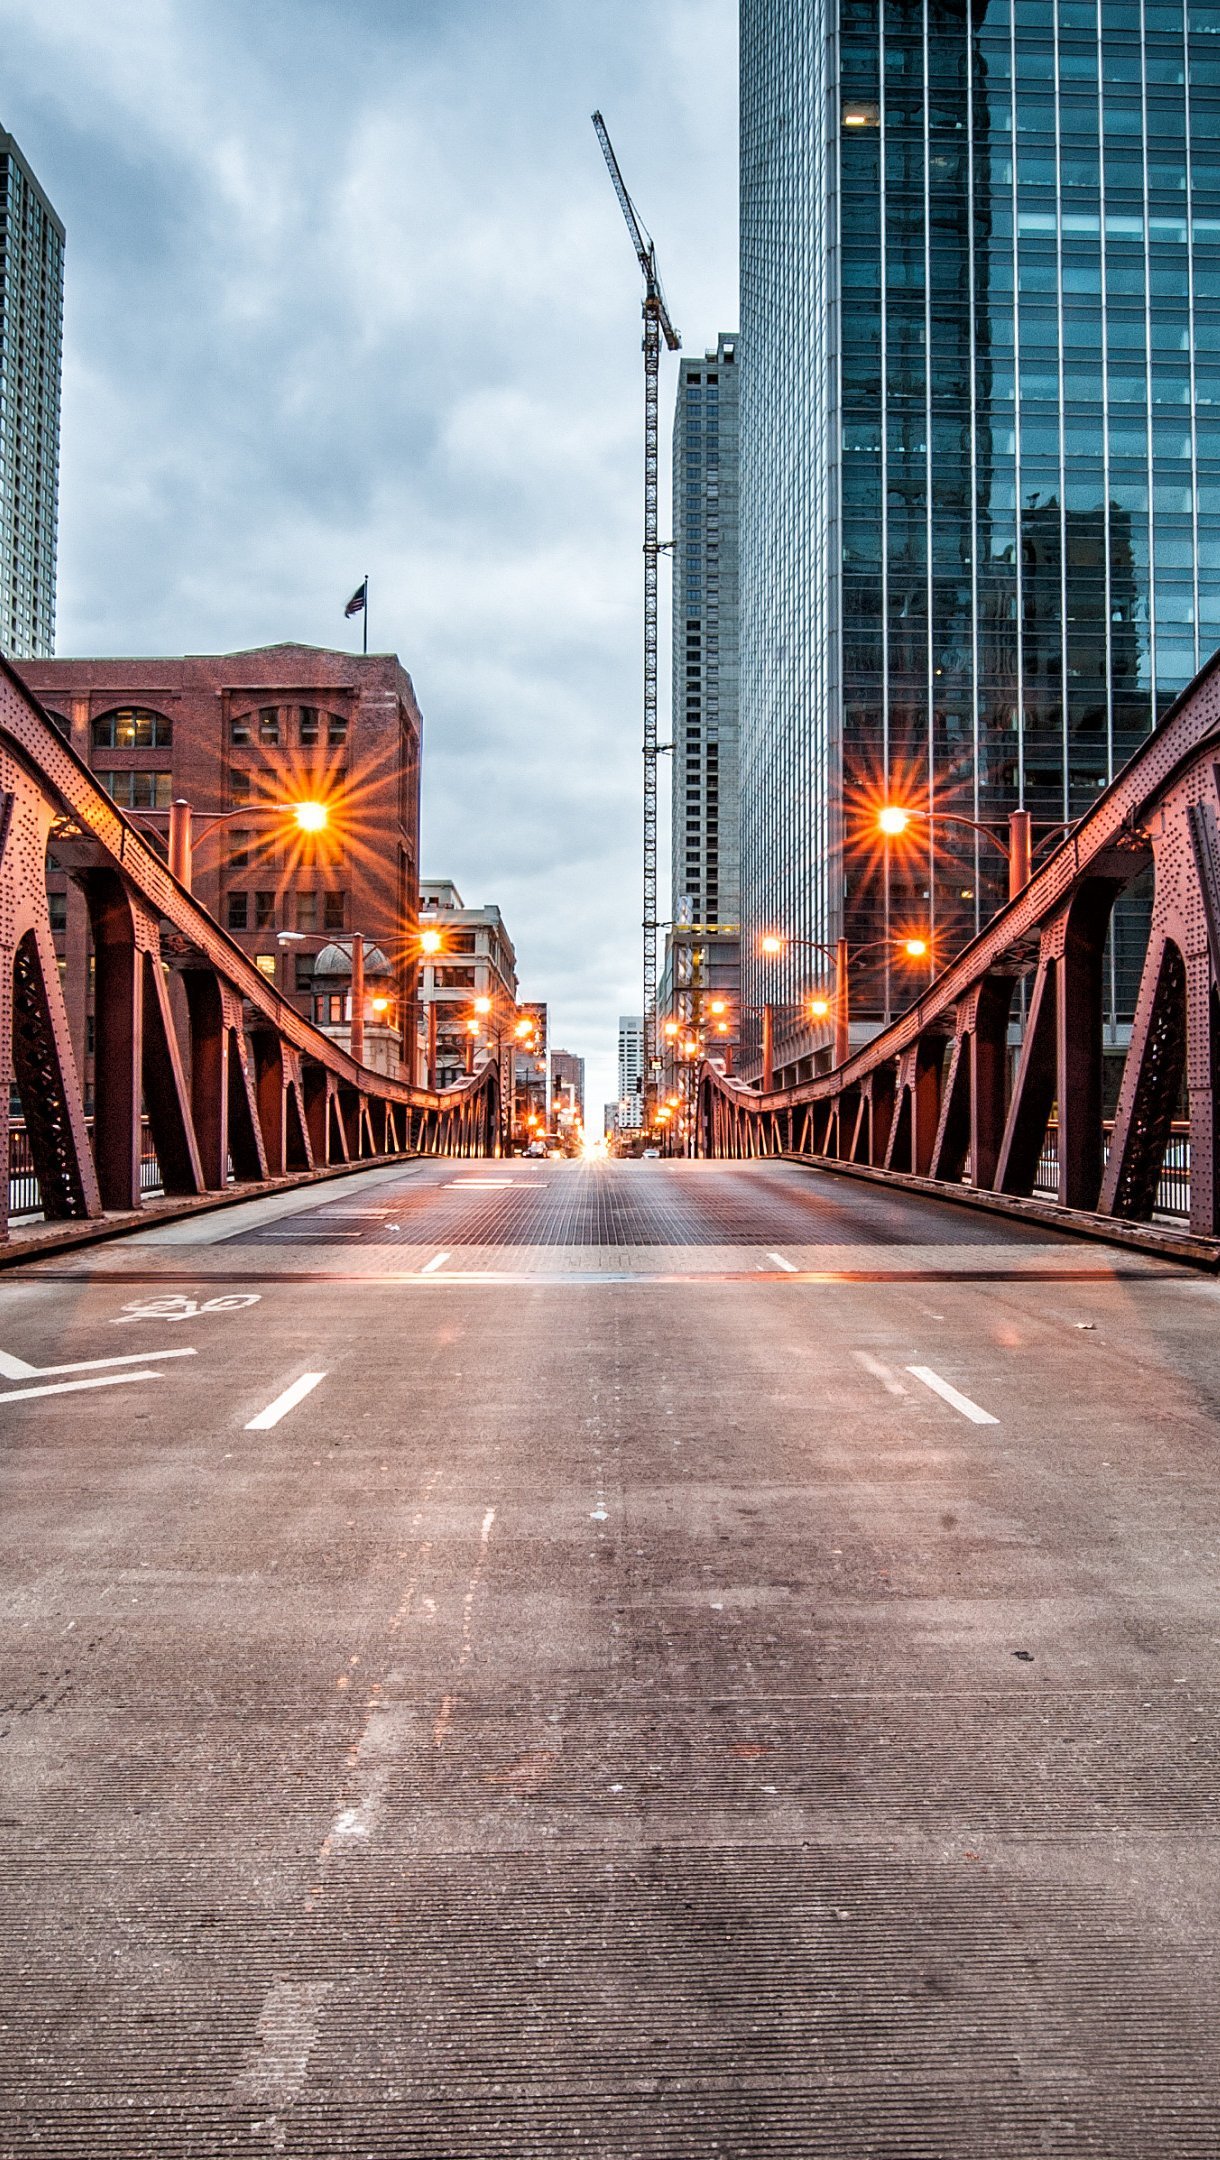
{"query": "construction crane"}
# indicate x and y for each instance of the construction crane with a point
(657, 325)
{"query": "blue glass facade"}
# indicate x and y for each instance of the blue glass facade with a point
(981, 436)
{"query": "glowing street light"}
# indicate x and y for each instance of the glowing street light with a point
(916, 948)
(431, 942)
(309, 817)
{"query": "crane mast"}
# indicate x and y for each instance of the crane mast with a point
(657, 325)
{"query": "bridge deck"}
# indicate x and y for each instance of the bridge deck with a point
(631, 1703)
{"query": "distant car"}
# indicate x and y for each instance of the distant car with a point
(536, 1148)
(651, 1154)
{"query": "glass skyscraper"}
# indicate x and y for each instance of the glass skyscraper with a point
(702, 948)
(980, 441)
(31, 327)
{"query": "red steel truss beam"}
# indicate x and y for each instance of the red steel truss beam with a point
(228, 1072)
(930, 1095)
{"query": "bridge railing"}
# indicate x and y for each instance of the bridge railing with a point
(193, 1048)
(934, 1095)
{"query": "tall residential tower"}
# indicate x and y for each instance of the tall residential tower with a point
(980, 441)
(702, 947)
(31, 327)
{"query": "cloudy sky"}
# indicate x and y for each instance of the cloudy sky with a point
(348, 290)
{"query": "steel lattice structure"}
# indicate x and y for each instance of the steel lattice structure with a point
(657, 325)
(932, 1096)
(229, 1071)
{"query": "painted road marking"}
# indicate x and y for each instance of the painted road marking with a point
(437, 1261)
(182, 1307)
(15, 1368)
(285, 1402)
(788, 1266)
(466, 1183)
(951, 1395)
(74, 1387)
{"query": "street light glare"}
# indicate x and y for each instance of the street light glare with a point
(819, 1007)
(430, 941)
(915, 948)
(482, 1004)
(311, 816)
(770, 944)
(893, 820)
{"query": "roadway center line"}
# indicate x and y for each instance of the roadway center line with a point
(285, 1402)
(15, 1368)
(437, 1261)
(73, 1387)
(951, 1395)
(788, 1266)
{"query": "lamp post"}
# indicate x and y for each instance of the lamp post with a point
(310, 817)
(893, 820)
(430, 943)
(841, 954)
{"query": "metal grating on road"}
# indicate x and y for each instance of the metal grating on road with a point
(629, 1204)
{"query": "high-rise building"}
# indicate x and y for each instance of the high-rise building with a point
(31, 331)
(702, 949)
(980, 340)
(567, 1084)
(630, 1071)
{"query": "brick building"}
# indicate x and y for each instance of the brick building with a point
(241, 736)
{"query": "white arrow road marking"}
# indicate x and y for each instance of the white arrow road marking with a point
(437, 1261)
(15, 1368)
(73, 1387)
(780, 1261)
(285, 1402)
(948, 1393)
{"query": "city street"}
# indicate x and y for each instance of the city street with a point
(544, 1659)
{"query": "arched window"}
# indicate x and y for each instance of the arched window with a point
(132, 727)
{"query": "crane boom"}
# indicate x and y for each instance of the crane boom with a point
(657, 325)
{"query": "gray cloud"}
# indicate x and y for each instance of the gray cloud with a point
(348, 290)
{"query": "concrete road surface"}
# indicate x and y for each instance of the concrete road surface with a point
(519, 1659)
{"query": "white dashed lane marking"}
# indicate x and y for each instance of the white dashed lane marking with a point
(285, 1402)
(953, 1396)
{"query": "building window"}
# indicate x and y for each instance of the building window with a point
(456, 978)
(334, 915)
(304, 971)
(269, 724)
(239, 784)
(336, 727)
(265, 963)
(58, 720)
(240, 729)
(138, 790)
(307, 911)
(240, 857)
(311, 726)
(238, 915)
(132, 727)
(58, 904)
(264, 911)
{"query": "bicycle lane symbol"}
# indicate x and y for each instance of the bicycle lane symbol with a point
(181, 1307)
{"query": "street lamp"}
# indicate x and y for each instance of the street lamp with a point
(894, 818)
(309, 817)
(839, 1003)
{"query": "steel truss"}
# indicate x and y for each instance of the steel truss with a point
(228, 1071)
(932, 1097)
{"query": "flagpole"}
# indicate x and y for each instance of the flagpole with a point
(366, 613)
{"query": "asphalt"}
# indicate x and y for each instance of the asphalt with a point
(710, 1660)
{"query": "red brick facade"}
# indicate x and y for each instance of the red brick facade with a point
(254, 730)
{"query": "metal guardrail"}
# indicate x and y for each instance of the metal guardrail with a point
(25, 1192)
(1173, 1185)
